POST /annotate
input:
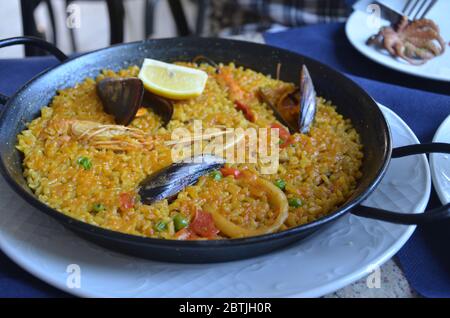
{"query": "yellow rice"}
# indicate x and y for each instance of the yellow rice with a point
(320, 168)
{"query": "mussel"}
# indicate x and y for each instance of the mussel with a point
(169, 181)
(295, 108)
(160, 105)
(202, 59)
(122, 97)
(308, 101)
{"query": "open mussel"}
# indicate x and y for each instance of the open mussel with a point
(308, 101)
(169, 181)
(200, 59)
(294, 107)
(122, 98)
(162, 107)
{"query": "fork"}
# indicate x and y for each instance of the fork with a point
(417, 9)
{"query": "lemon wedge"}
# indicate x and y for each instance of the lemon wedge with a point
(172, 81)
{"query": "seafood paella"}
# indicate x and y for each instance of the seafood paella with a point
(103, 152)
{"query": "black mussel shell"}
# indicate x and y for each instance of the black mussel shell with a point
(163, 107)
(121, 97)
(199, 59)
(308, 103)
(169, 181)
(304, 97)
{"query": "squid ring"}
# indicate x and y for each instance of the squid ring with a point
(278, 202)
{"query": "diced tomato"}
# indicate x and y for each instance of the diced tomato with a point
(285, 136)
(236, 93)
(185, 234)
(203, 225)
(249, 115)
(230, 172)
(126, 200)
(282, 131)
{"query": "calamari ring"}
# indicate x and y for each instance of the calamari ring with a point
(277, 200)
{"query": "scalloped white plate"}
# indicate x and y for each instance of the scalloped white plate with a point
(360, 27)
(333, 258)
(440, 163)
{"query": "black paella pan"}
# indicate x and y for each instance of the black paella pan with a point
(351, 101)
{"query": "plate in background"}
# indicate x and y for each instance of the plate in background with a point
(358, 30)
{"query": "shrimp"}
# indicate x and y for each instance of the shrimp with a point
(240, 98)
(119, 137)
(105, 136)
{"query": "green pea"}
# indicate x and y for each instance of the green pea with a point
(216, 175)
(85, 162)
(295, 202)
(280, 183)
(160, 226)
(180, 221)
(98, 207)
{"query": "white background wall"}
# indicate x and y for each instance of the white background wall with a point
(94, 30)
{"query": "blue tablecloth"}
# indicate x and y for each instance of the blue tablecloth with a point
(423, 260)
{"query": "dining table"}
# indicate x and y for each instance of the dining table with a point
(422, 267)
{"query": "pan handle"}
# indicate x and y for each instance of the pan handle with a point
(429, 216)
(34, 41)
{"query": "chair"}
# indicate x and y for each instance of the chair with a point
(116, 14)
(29, 24)
(149, 15)
(180, 17)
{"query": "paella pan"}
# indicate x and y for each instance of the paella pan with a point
(112, 177)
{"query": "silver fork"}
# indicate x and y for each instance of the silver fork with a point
(417, 9)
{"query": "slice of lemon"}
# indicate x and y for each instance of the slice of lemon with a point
(172, 81)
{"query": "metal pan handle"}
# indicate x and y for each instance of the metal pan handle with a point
(429, 216)
(29, 40)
